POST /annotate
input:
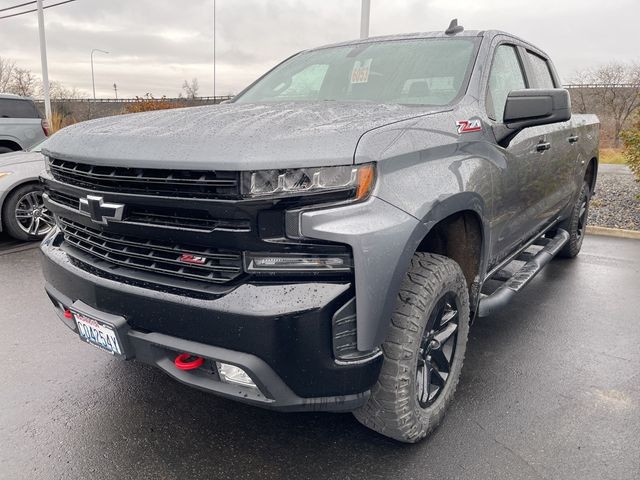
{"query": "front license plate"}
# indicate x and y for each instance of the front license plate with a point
(98, 333)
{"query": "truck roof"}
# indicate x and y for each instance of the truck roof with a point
(416, 35)
(13, 96)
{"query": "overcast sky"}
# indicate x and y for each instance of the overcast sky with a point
(156, 44)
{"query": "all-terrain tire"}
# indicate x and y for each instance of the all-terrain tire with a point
(393, 409)
(576, 224)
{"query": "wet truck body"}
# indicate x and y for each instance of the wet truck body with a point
(264, 249)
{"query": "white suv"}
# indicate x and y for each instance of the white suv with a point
(21, 125)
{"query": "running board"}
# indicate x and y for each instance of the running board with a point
(489, 304)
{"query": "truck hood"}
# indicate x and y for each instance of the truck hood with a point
(230, 136)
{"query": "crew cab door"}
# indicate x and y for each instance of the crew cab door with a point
(558, 162)
(529, 182)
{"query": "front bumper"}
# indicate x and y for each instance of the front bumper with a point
(279, 334)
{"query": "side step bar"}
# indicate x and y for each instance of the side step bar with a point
(505, 292)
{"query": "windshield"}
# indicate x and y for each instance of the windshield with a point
(421, 72)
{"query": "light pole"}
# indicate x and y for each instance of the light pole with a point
(364, 18)
(214, 51)
(93, 79)
(43, 59)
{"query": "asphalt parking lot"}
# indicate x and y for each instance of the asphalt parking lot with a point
(550, 389)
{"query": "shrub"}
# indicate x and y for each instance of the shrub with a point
(631, 138)
(59, 120)
(148, 103)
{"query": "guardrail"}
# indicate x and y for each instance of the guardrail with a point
(222, 98)
(216, 99)
(601, 85)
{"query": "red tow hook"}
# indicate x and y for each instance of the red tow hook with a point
(186, 361)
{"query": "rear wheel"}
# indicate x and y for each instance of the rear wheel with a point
(24, 214)
(576, 224)
(423, 352)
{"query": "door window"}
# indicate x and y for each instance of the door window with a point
(541, 73)
(506, 75)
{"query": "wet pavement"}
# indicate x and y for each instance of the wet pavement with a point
(550, 389)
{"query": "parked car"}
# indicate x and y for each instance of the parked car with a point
(323, 241)
(22, 211)
(21, 125)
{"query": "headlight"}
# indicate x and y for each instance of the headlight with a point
(47, 165)
(359, 179)
(4, 174)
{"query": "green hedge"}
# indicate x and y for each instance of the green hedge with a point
(631, 138)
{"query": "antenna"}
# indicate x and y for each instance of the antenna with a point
(454, 27)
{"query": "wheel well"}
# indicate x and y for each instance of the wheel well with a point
(9, 144)
(458, 237)
(590, 174)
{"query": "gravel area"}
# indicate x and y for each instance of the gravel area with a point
(617, 200)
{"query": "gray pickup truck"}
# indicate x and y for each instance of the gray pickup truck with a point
(324, 240)
(21, 125)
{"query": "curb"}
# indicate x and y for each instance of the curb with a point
(613, 232)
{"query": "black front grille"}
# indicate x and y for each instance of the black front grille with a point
(157, 257)
(148, 181)
(70, 201)
(183, 218)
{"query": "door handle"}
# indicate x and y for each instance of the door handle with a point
(574, 138)
(542, 146)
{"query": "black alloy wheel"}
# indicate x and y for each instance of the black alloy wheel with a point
(437, 350)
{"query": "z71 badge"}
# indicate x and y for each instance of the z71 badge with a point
(467, 126)
(188, 258)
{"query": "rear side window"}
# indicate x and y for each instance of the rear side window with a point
(542, 77)
(506, 75)
(14, 108)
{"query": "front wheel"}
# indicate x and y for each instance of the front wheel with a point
(24, 214)
(423, 352)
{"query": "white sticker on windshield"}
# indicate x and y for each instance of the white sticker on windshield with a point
(360, 72)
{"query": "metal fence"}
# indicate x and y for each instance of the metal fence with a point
(601, 85)
(216, 99)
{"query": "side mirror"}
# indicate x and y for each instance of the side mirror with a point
(532, 107)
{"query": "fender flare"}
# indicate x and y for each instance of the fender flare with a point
(460, 202)
(384, 238)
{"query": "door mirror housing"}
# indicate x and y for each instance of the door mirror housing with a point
(532, 107)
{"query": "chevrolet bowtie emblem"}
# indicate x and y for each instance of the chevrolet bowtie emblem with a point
(99, 211)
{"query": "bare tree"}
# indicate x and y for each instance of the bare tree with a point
(191, 88)
(7, 67)
(23, 83)
(60, 92)
(612, 91)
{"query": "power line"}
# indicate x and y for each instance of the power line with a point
(17, 6)
(35, 9)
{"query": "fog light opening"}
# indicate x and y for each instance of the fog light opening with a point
(235, 375)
